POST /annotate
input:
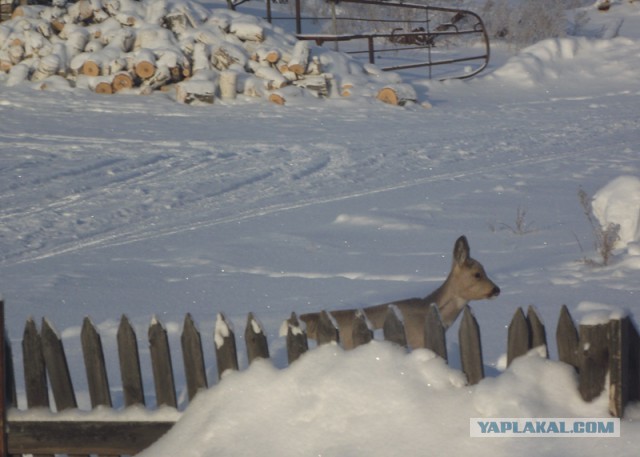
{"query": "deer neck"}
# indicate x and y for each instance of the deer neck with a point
(448, 302)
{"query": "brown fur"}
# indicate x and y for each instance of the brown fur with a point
(467, 281)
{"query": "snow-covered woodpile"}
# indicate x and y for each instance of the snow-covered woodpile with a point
(179, 47)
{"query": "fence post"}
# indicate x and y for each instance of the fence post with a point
(129, 358)
(3, 380)
(393, 328)
(624, 368)
(518, 336)
(94, 365)
(593, 356)
(57, 367)
(434, 332)
(225, 341)
(538, 334)
(161, 365)
(193, 358)
(567, 339)
(361, 333)
(35, 376)
(255, 340)
(326, 331)
(297, 343)
(470, 347)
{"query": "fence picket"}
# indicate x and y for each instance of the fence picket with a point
(94, 365)
(35, 376)
(327, 332)
(255, 340)
(538, 335)
(161, 365)
(620, 370)
(193, 358)
(567, 338)
(593, 359)
(225, 342)
(470, 347)
(393, 328)
(57, 367)
(129, 358)
(361, 332)
(297, 343)
(518, 341)
(434, 332)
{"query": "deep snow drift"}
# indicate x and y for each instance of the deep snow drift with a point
(137, 205)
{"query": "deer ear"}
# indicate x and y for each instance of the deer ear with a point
(461, 250)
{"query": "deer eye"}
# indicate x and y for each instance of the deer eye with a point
(477, 275)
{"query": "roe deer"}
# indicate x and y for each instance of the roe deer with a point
(467, 281)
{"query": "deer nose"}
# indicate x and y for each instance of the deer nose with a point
(495, 292)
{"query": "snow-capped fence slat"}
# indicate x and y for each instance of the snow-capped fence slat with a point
(393, 329)
(255, 340)
(611, 347)
(161, 365)
(297, 343)
(194, 366)
(470, 347)
(225, 342)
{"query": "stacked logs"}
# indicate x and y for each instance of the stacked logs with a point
(179, 47)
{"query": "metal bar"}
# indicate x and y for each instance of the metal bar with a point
(372, 58)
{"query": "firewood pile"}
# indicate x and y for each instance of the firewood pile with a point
(181, 48)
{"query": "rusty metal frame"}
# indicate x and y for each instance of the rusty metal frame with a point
(451, 29)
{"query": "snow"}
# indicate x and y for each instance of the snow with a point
(141, 206)
(618, 203)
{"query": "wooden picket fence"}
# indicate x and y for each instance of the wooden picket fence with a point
(593, 350)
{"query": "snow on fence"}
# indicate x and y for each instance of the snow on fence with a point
(611, 348)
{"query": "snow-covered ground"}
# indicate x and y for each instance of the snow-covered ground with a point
(138, 205)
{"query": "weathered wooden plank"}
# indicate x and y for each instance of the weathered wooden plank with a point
(434, 332)
(129, 357)
(634, 362)
(57, 367)
(4, 445)
(94, 365)
(193, 357)
(470, 347)
(567, 339)
(161, 364)
(297, 343)
(361, 333)
(393, 328)
(225, 341)
(538, 334)
(594, 359)
(81, 437)
(327, 332)
(35, 375)
(255, 340)
(624, 366)
(518, 341)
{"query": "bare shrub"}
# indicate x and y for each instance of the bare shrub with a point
(605, 238)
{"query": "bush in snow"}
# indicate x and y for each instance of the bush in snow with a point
(605, 236)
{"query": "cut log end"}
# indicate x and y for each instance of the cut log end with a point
(397, 95)
(145, 69)
(91, 68)
(103, 88)
(122, 81)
